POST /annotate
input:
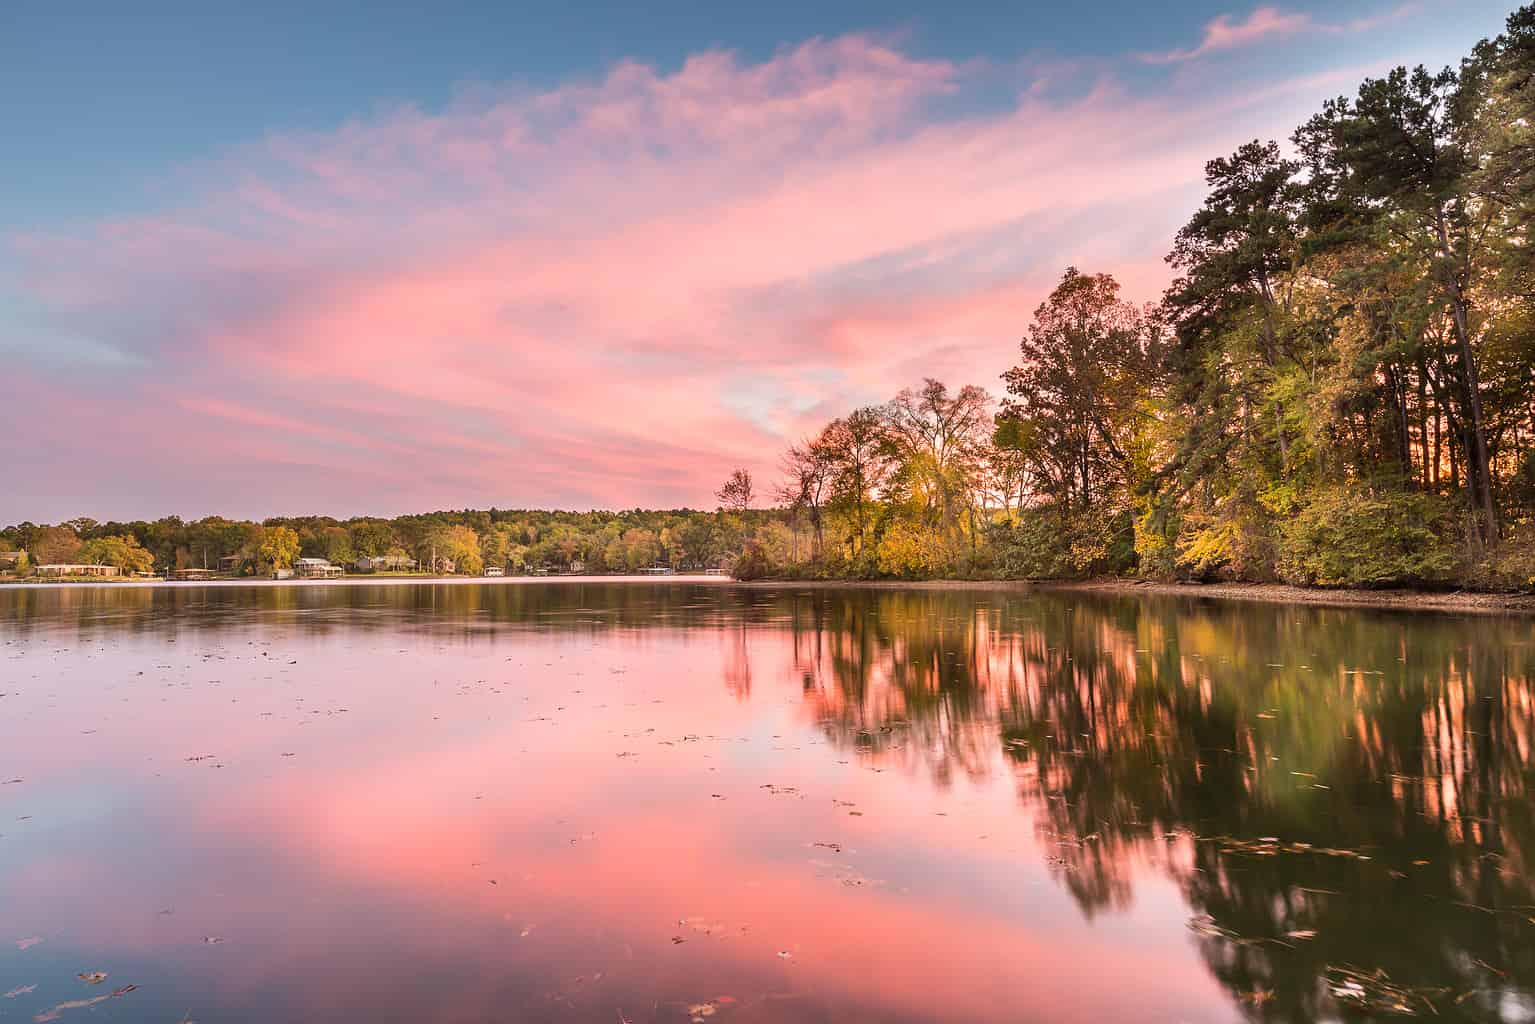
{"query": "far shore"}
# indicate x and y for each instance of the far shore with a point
(344, 581)
(1462, 601)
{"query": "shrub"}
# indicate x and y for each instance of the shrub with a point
(752, 563)
(1042, 543)
(1510, 564)
(1361, 537)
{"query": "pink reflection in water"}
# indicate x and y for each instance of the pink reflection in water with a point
(395, 822)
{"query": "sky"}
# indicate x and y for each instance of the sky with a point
(348, 259)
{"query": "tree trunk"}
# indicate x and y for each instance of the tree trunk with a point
(1479, 463)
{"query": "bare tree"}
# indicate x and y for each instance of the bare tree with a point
(809, 471)
(736, 495)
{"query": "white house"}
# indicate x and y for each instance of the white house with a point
(75, 569)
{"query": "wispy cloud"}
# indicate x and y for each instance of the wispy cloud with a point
(1227, 32)
(606, 293)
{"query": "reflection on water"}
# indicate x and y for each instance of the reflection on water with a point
(664, 802)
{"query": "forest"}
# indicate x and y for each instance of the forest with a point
(1337, 389)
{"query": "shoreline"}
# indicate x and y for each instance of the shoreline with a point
(1478, 602)
(1452, 601)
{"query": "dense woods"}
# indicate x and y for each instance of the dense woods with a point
(1337, 389)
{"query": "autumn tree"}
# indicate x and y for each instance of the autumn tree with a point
(940, 442)
(121, 551)
(277, 548)
(54, 544)
(1087, 361)
(455, 544)
(860, 451)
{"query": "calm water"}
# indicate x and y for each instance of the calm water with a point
(667, 802)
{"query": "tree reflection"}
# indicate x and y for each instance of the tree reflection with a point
(1328, 788)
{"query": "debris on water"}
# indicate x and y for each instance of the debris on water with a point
(1269, 846)
(28, 943)
(1301, 933)
(21, 991)
(212, 940)
(678, 940)
(703, 1011)
(1373, 991)
(93, 977)
(784, 954)
(526, 931)
(80, 1004)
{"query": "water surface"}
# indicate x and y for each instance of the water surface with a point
(661, 801)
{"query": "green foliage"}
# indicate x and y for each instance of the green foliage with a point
(1049, 543)
(122, 551)
(1354, 536)
(1510, 564)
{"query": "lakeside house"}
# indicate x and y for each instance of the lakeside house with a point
(77, 569)
(317, 568)
(386, 563)
(231, 564)
(494, 570)
(10, 559)
(192, 574)
(657, 570)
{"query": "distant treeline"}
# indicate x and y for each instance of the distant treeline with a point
(464, 542)
(1337, 389)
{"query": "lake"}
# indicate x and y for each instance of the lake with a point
(661, 801)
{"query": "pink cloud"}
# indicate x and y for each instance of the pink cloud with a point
(604, 294)
(1226, 32)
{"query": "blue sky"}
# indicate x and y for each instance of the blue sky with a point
(106, 99)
